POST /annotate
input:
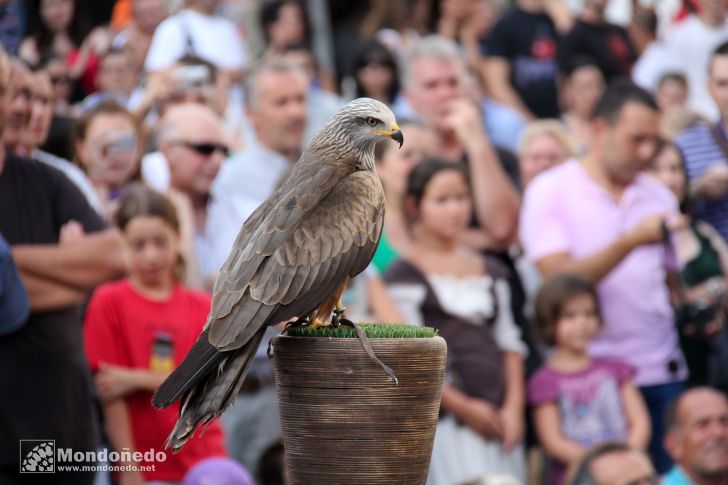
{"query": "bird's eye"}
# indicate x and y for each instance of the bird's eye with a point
(372, 121)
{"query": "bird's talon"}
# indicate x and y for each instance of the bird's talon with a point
(336, 319)
(347, 323)
(298, 322)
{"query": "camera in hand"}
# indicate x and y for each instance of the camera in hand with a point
(696, 314)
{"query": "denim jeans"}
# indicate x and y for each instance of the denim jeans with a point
(658, 398)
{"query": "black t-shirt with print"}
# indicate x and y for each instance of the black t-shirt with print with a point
(608, 45)
(46, 390)
(529, 42)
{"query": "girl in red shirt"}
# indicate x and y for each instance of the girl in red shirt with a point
(137, 330)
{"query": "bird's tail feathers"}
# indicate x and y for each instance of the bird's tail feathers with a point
(209, 397)
(200, 361)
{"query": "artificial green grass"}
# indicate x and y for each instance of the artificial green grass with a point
(373, 330)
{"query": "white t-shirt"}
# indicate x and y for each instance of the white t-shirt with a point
(155, 171)
(651, 66)
(212, 38)
(620, 11)
(689, 46)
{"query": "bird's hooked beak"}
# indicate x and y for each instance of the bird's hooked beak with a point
(394, 133)
(397, 136)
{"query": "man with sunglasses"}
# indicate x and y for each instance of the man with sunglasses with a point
(191, 138)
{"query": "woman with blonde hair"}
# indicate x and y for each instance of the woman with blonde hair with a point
(544, 144)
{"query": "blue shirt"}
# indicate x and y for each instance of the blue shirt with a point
(503, 124)
(701, 151)
(676, 476)
(12, 25)
(14, 303)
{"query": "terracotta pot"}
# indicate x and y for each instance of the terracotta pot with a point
(344, 422)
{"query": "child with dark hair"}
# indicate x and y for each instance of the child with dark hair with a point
(445, 284)
(136, 332)
(284, 22)
(583, 86)
(62, 28)
(580, 401)
(375, 71)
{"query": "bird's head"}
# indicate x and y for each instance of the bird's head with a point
(367, 121)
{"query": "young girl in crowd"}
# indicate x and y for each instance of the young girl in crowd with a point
(579, 401)
(442, 283)
(138, 329)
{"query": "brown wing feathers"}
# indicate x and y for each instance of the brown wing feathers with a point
(281, 280)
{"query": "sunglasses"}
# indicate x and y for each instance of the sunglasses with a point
(205, 149)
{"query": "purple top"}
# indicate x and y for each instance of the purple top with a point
(589, 402)
(565, 211)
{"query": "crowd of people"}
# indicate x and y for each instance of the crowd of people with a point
(558, 212)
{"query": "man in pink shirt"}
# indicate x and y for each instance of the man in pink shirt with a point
(601, 218)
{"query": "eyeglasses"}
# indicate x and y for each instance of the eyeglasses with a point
(124, 143)
(205, 149)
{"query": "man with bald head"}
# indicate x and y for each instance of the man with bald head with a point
(192, 139)
(697, 438)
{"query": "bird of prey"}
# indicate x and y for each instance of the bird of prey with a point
(292, 259)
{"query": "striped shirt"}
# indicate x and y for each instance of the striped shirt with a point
(701, 151)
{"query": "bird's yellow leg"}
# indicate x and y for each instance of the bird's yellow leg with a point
(319, 323)
(322, 316)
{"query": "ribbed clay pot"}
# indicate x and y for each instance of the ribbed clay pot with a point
(344, 422)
